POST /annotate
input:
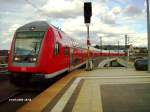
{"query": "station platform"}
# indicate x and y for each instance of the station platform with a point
(100, 90)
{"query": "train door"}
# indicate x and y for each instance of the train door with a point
(71, 57)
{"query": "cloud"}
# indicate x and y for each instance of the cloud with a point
(138, 39)
(63, 9)
(132, 10)
(106, 15)
(116, 10)
(121, 1)
(109, 18)
(11, 5)
(8, 36)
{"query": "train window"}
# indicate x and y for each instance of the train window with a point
(56, 49)
(66, 51)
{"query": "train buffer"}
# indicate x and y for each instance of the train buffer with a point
(99, 90)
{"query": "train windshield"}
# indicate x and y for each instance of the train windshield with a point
(28, 43)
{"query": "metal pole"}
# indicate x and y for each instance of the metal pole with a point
(88, 40)
(88, 46)
(126, 49)
(126, 39)
(148, 34)
(100, 46)
(118, 47)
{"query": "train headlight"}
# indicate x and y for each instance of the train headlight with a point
(34, 59)
(16, 59)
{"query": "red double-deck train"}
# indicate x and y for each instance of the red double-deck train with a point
(41, 51)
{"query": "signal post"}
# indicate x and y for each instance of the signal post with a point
(87, 18)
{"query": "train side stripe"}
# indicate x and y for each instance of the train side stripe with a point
(47, 76)
(56, 73)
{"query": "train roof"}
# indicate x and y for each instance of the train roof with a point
(37, 25)
(43, 26)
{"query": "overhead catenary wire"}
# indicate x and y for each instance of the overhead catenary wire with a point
(40, 11)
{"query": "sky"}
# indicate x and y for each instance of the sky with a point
(111, 19)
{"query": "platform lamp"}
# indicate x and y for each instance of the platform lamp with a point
(87, 20)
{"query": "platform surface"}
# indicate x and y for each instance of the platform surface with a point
(100, 90)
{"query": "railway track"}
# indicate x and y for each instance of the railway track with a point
(3, 100)
(11, 97)
(16, 99)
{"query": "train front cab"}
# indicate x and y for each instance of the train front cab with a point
(30, 52)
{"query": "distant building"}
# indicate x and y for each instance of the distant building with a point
(114, 47)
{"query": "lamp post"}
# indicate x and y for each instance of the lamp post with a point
(148, 34)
